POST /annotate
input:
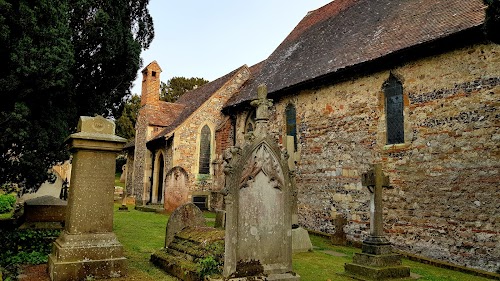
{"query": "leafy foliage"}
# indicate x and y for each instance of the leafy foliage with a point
(27, 246)
(492, 21)
(208, 266)
(35, 51)
(107, 37)
(62, 59)
(177, 86)
(9, 187)
(7, 202)
(125, 125)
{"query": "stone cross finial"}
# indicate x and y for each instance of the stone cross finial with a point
(262, 103)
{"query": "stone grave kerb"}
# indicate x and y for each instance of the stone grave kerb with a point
(87, 246)
(259, 196)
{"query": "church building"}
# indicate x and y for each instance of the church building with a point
(411, 84)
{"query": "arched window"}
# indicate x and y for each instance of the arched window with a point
(291, 124)
(250, 122)
(205, 139)
(393, 91)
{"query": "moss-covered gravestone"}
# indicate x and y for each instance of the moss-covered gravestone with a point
(192, 250)
(259, 205)
(88, 247)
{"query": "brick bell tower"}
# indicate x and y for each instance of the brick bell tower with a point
(150, 100)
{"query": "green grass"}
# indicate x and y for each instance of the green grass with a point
(142, 233)
(117, 180)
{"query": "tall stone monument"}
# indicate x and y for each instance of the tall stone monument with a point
(377, 260)
(259, 198)
(88, 247)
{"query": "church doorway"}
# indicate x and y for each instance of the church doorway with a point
(159, 192)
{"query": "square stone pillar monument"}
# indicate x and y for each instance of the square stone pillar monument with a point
(87, 246)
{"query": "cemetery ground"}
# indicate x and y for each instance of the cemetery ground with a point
(142, 233)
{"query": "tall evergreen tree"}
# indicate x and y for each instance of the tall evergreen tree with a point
(36, 56)
(107, 40)
(61, 59)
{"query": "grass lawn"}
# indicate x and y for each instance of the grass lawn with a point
(142, 233)
(117, 180)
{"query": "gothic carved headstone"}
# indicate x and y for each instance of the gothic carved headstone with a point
(259, 198)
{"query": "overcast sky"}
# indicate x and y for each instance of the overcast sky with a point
(209, 39)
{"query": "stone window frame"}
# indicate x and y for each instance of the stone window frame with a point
(382, 125)
(250, 121)
(198, 150)
(285, 115)
(156, 180)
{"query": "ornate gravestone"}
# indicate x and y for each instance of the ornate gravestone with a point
(259, 200)
(88, 247)
(377, 261)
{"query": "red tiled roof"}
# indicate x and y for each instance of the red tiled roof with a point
(347, 33)
(165, 113)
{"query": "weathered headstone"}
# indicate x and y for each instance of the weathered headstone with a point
(182, 217)
(259, 206)
(220, 219)
(301, 241)
(88, 247)
(188, 243)
(376, 261)
(339, 237)
(176, 191)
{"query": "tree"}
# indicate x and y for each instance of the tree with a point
(492, 20)
(107, 40)
(125, 125)
(36, 56)
(61, 59)
(177, 86)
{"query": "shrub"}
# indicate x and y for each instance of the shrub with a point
(26, 246)
(7, 202)
(208, 266)
(9, 188)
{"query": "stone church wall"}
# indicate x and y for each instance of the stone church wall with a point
(444, 200)
(186, 136)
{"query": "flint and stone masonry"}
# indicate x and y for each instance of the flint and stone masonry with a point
(445, 174)
(88, 247)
